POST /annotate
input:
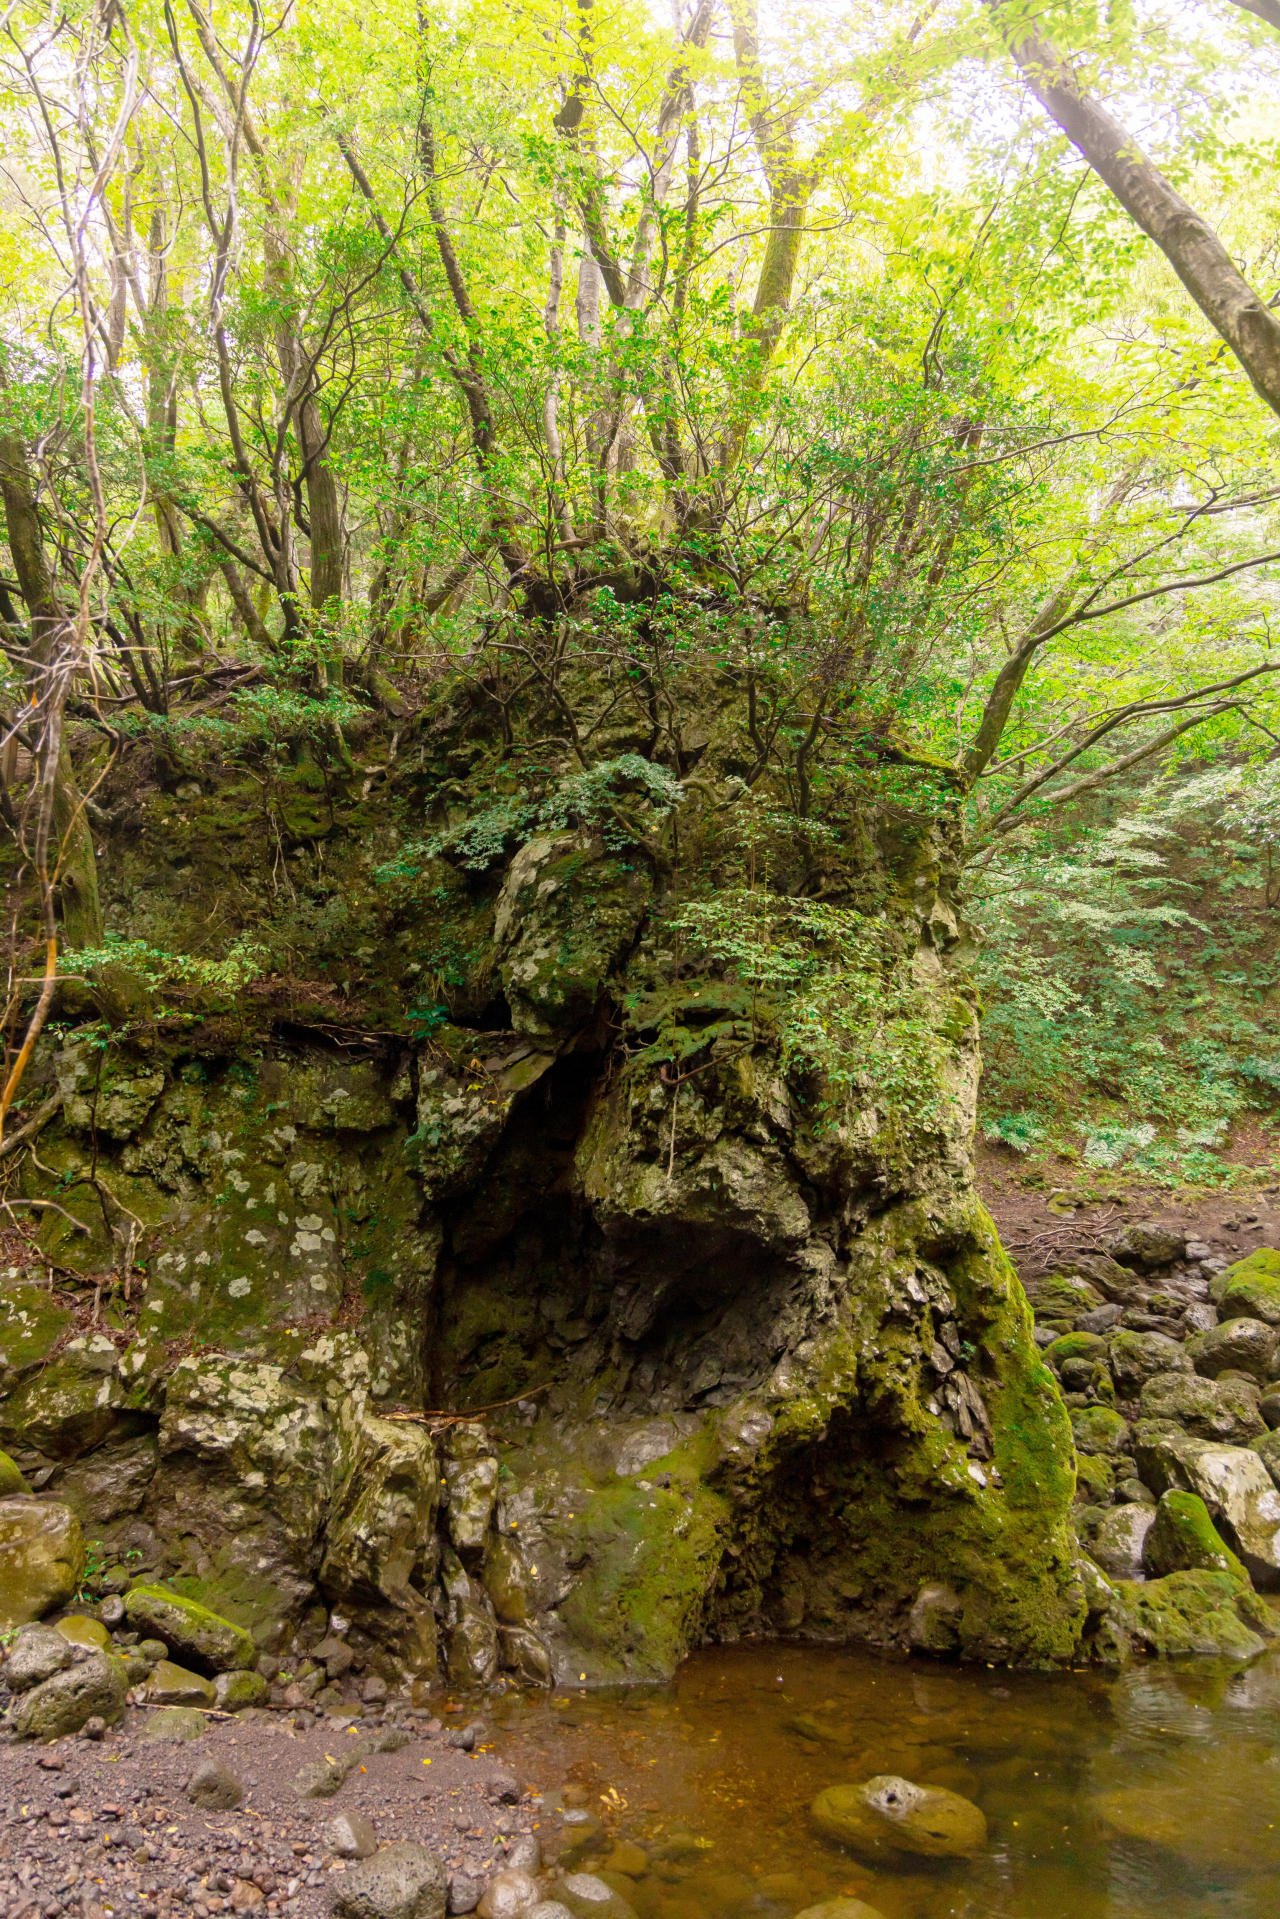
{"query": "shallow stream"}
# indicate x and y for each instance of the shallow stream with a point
(1153, 1794)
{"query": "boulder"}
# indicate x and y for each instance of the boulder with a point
(236, 1690)
(35, 1655)
(471, 1475)
(380, 1541)
(41, 1558)
(215, 1788)
(209, 1642)
(1250, 1288)
(1146, 1243)
(351, 1836)
(934, 1621)
(1135, 1358)
(507, 1582)
(1183, 1538)
(887, 1815)
(1239, 1345)
(1113, 1281)
(1268, 1451)
(1269, 1407)
(399, 1882)
(1206, 1408)
(509, 1894)
(78, 1629)
(1089, 1346)
(1097, 1429)
(841, 1909)
(1212, 1614)
(523, 1652)
(171, 1685)
(93, 1688)
(471, 1628)
(11, 1480)
(464, 1895)
(1063, 1296)
(588, 1897)
(1118, 1541)
(1233, 1481)
(1095, 1480)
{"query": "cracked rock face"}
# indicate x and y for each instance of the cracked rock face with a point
(750, 1355)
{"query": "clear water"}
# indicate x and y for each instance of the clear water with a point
(1152, 1794)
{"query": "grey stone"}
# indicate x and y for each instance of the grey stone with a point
(1101, 1319)
(1133, 1492)
(464, 1893)
(1134, 1358)
(1240, 1345)
(933, 1624)
(1118, 1540)
(1211, 1409)
(400, 1882)
(471, 1475)
(524, 1652)
(215, 1788)
(525, 1854)
(351, 1836)
(1236, 1486)
(1200, 1316)
(92, 1688)
(1147, 1243)
(1269, 1407)
(549, 1909)
(35, 1655)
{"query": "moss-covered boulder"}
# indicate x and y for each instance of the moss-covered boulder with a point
(1099, 1429)
(1134, 1358)
(235, 1691)
(1214, 1409)
(1208, 1614)
(1250, 1289)
(1095, 1480)
(192, 1631)
(41, 1558)
(1089, 1346)
(36, 1654)
(94, 1687)
(72, 1405)
(1183, 1538)
(172, 1685)
(11, 1480)
(173, 1725)
(1239, 1345)
(79, 1629)
(888, 1816)
(1233, 1482)
(1062, 1296)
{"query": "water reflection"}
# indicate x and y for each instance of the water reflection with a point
(1154, 1794)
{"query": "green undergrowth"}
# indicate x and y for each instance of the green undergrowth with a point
(1129, 973)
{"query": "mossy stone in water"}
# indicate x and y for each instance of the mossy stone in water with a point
(192, 1630)
(841, 1909)
(1250, 1289)
(11, 1480)
(1212, 1614)
(41, 1558)
(1099, 1430)
(1183, 1538)
(888, 1814)
(93, 1689)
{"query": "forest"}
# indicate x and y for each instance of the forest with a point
(510, 354)
(625, 637)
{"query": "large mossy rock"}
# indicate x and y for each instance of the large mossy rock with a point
(887, 1815)
(1239, 1345)
(1183, 1538)
(1135, 1358)
(1250, 1289)
(41, 1558)
(1209, 1614)
(1235, 1484)
(1221, 1409)
(754, 1357)
(192, 1631)
(94, 1688)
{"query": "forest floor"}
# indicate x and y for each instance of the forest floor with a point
(1046, 1210)
(105, 1828)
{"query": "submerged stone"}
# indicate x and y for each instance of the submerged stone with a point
(888, 1814)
